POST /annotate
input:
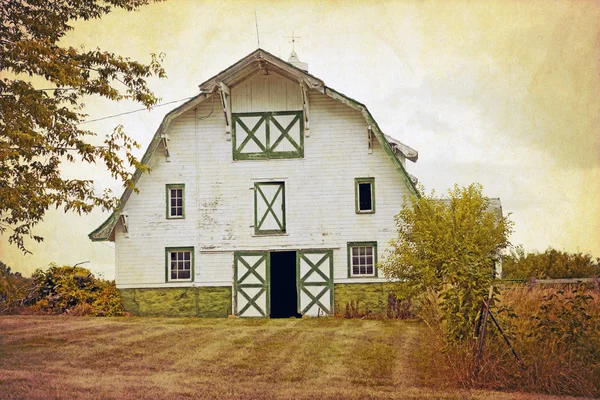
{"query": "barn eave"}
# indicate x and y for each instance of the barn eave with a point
(257, 61)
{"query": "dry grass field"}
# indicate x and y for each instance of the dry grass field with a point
(178, 358)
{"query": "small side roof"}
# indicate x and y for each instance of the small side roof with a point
(402, 149)
(236, 73)
(495, 206)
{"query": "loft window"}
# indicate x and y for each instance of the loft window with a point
(365, 195)
(269, 207)
(175, 201)
(180, 264)
(362, 259)
(267, 135)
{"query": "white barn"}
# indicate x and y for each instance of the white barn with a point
(270, 194)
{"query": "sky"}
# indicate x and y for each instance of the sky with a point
(503, 93)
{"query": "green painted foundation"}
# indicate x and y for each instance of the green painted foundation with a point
(209, 302)
(362, 299)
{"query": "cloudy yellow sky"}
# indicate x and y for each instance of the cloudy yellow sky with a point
(504, 93)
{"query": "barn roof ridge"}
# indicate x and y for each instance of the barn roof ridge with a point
(236, 72)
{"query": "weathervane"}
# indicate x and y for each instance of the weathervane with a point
(294, 38)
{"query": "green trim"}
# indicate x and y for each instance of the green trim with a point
(269, 203)
(357, 181)
(239, 285)
(167, 266)
(267, 148)
(304, 281)
(168, 187)
(356, 244)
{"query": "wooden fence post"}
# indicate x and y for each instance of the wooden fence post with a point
(531, 282)
(596, 287)
(481, 338)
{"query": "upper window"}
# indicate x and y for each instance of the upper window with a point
(264, 135)
(175, 201)
(362, 259)
(269, 207)
(180, 264)
(365, 195)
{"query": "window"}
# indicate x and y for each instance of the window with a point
(175, 201)
(362, 259)
(269, 207)
(268, 135)
(180, 264)
(365, 195)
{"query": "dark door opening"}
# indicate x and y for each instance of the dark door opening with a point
(284, 295)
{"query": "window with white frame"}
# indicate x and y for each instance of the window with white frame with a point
(175, 201)
(180, 264)
(362, 259)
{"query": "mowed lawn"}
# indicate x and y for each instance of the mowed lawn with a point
(177, 358)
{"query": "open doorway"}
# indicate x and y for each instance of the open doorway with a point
(284, 295)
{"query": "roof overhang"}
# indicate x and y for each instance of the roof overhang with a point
(260, 61)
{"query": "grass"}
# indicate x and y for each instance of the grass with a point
(177, 358)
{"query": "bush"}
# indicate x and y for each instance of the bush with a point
(559, 338)
(13, 289)
(73, 290)
(449, 246)
(554, 331)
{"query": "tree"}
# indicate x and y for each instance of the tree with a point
(449, 246)
(39, 126)
(551, 264)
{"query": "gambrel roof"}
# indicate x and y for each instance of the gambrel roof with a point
(238, 72)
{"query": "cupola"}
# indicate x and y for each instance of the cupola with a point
(295, 61)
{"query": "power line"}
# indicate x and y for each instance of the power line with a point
(110, 247)
(133, 111)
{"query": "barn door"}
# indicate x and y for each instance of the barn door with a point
(315, 282)
(251, 271)
(269, 207)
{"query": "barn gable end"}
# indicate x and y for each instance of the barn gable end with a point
(266, 168)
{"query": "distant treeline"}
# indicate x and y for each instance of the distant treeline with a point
(551, 264)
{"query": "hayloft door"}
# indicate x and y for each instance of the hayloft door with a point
(315, 282)
(266, 135)
(269, 207)
(251, 289)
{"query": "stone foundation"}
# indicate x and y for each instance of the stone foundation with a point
(215, 302)
(212, 302)
(365, 298)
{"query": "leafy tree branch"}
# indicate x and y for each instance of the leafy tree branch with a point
(39, 127)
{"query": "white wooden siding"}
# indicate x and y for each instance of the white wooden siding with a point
(219, 200)
(270, 92)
